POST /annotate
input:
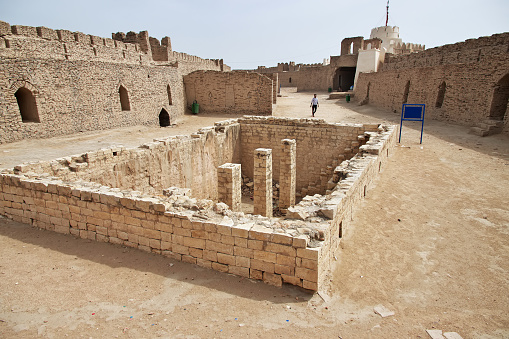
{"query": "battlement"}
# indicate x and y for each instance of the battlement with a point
(19, 41)
(469, 51)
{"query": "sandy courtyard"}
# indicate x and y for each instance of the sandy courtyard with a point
(430, 242)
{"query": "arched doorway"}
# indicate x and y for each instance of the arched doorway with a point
(344, 78)
(500, 99)
(164, 118)
(124, 99)
(440, 95)
(27, 105)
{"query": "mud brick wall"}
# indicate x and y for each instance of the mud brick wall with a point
(315, 78)
(230, 92)
(471, 71)
(319, 144)
(75, 78)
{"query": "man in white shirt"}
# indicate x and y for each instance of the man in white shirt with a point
(314, 105)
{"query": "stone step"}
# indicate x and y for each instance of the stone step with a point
(478, 131)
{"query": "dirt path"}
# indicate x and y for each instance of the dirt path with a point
(430, 242)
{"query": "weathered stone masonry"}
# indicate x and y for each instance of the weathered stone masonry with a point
(458, 82)
(298, 249)
(80, 82)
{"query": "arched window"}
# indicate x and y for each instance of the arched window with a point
(164, 118)
(27, 105)
(440, 95)
(500, 99)
(168, 90)
(124, 99)
(350, 50)
(407, 90)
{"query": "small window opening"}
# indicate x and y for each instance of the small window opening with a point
(164, 118)
(350, 50)
(379, 166)
(341, 229)
(123, 54)
(168, 90)
(95, 51)
(27, 105)
(7, 44)
(124, 99)
(115, 154)
(405, 94)
(365, 187)
(290, 80)
(440, 95)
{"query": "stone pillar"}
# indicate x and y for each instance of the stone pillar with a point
(287, 173)
(263, 182)
(229, 181)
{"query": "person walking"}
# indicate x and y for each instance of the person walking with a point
(314, 105)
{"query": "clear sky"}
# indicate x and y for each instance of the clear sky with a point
(247, 33)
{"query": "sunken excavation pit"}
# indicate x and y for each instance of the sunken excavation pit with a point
(182, 196)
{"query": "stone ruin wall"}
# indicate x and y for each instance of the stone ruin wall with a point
(189, 162)
(320, 147)
(298, 250)
(470, 70)
(75, 80)
(236, 92)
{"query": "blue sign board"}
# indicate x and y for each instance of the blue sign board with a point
(412, 112)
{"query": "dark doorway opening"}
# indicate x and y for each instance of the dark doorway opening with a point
(440, 95)
(164, 118)
(27, 105)
(405, 93)
(500, 99)
(344, 78)
(124, 99)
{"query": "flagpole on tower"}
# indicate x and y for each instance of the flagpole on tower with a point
(387, 16)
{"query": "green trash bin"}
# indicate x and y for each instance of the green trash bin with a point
(330, 90)
(195, 107)
(347, 98)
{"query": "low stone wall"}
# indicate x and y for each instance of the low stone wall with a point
(298, 249)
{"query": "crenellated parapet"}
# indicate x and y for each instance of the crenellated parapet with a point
(19, 41)
(469, 51)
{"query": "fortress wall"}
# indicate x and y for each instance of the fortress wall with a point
(74, 96)
(75, 79)
(230, 92)
(315, 78)
(469, 51)
(469, 89)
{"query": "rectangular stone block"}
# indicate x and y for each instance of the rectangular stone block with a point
(255, 274)
(262, 265)
(240, 271)
(272, 279)
(226, 259)
(306, 274)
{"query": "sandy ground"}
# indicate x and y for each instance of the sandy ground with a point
(430, 242)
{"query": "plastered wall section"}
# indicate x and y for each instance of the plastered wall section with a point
(235, 92)
(75, 80)
(470, 70)
(319, 145)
